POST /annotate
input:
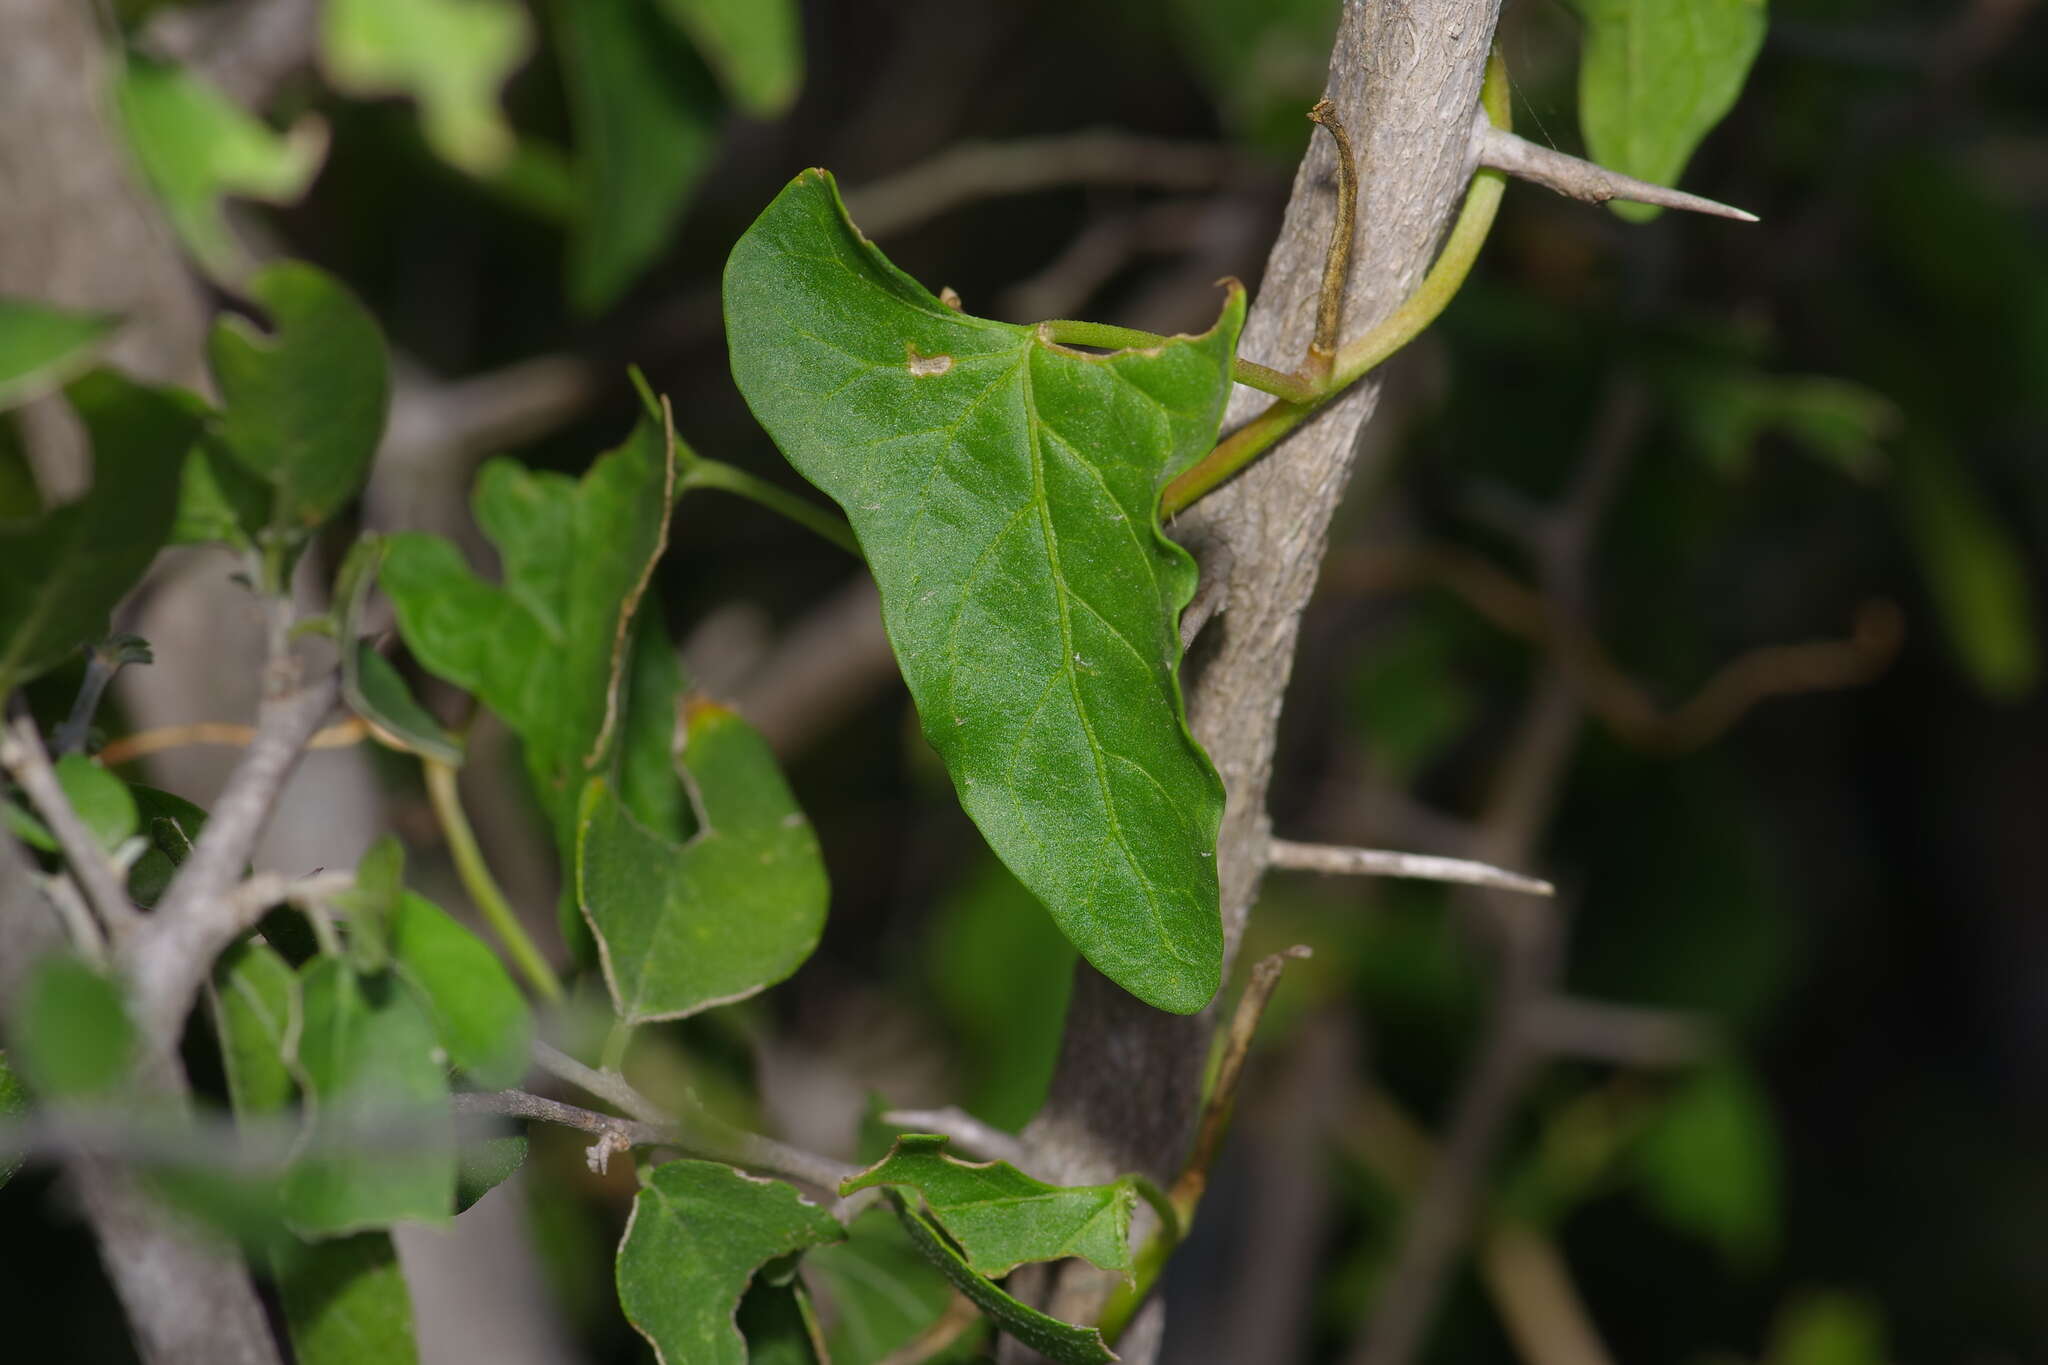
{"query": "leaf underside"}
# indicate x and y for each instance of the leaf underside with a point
(1005, 491)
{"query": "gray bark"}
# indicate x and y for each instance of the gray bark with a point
(1405, 76)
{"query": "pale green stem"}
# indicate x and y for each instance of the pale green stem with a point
(482, 887)
(1264, 378)
(703, 473)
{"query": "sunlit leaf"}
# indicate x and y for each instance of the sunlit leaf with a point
(755, 46)
(1002, 1218)
(385, 1151)
(345, 1302)
(1006, 492)
(740, 906)
(698, 1233)
(453, 56)
(197, 147)
(1655, 76)
(42, 346)
(68, 1033)
(481, 1017)
(646, 117)
(61, 574)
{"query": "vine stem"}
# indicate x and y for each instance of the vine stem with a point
(482, 887)
(699, 472)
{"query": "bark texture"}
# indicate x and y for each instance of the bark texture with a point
(1405, 76)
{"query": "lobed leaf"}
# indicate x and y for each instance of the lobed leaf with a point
(1655, 76)
(681, 928)
(61, 573)
(1006, 490)
(697, 1234)
(1002, 1218)
(41, 346)
(452, 56)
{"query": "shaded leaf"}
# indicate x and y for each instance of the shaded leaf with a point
(680, 928)
(1828, 1328)
(1655, 76)
(1002, 1218)
(452, 56)
(62, 573)
(697, 1234)
(102, 800)
(481, 1017)
(345, 1302)
(1709, 1163)
(370, 685)
(168, 824)
(41, 347)
(1006, 491)
(483, 1166)
(1976, 571)
(779, 1326)
(302, 408)
(1263, 62)
(219, 501)
(372, 903)
(373, 1072)
(879, 1290)
(257, 1017)
(1060, 1341)
(68, 1034)
(196, 147)
(755, 46)
(13, 1105)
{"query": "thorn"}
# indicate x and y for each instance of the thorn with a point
(1582, 180)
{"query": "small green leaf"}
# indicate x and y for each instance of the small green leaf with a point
(41, 347)
(196, 147)
(1060, 1341)
(1002, 1218)
(681, 928)
(68, 1033)
(453, 56)
(482, 1166)
(257, 1016)
(13, 1105)
(1006, 491)
(102, 800)
(303, 407)
(755, 46)
(1975, 568)
(646, 116)
(373, 1066)
(345, 1302)
(1655, 76)
(550, 650)
(168, 825)
(698, 1233)
(1710, 1166)
(61, 574)
(483, 1020)
(370, 684)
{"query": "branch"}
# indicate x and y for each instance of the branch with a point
(1376, 862)
(1582, 180)
(23, 756)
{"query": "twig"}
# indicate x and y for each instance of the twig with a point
(79, 926)
(614, 1134)
(475, 872)
(976, 1137)
(143, 743)
(1582, 180)
(980, 170)
(1378, 862)
(1322, 347)
(1193, 1180)
(21, 753)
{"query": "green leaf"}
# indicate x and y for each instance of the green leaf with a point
(547, 651)
(646, 117)
(879, 1290)
(302, 408)
(13, 1105)
(482, 1019)
(168, 825)
(453, 56)
(755, 46)
(1060, 1341)
(681, 928)
(371, 1061)
(258, 1017)
(372, 903)
(1006, 492)
(102, 800)
(1975, 569)
(1655, 76)
(41, 347)
(1710, 1165)
(68, 1032)
(482, 1166)
(196, 146)
(345, 1302)
(61, 574)
(219, 501)
(1002, 1218)
(1828, 1328)
(697, 1234)
(370, 684)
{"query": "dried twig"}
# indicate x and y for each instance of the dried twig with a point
(1379, 862)
(163, 738)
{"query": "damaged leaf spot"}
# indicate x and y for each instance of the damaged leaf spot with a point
(925, 366)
